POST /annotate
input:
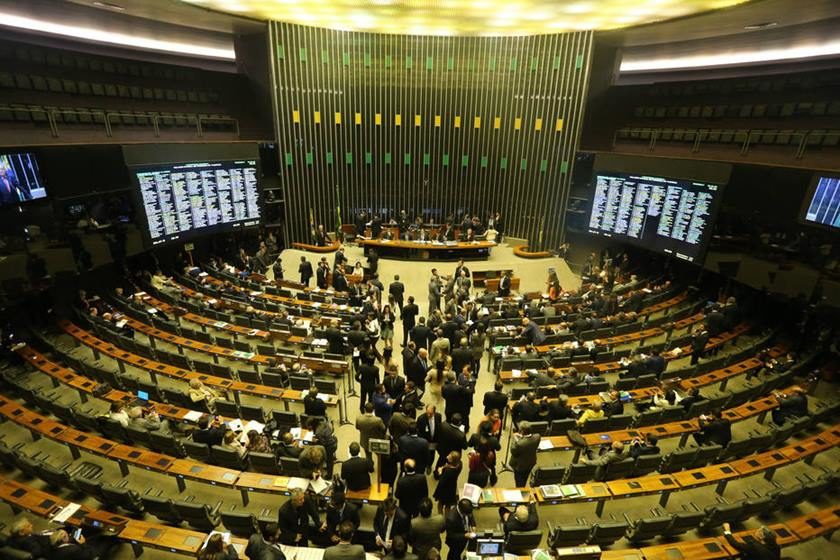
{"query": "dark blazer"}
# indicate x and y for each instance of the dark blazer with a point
(350, 512)
(450, 438)
(292, 520)
(36, 544)
(408, 316)
(411, 488)
(394, 386)
(401, 526)
(414, 447)
(210, 436)
(305, 270)
(425, 534)
(345, 551)
(456, 532)
(416, 371)
(643, 449)
(751, 549)
(367, 376)
(718, 431)
(313, 406)
(424, 430)
(460, 358)
(73, 552)
(355, 472)
(335, 341)
(421, 336)
(656, 365)
(530, 524)
(259, 549)
(495, 399)
(526, 410)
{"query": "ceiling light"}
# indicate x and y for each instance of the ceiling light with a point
(762, 25)
(113, 37)
(109, 6)
(732, 58)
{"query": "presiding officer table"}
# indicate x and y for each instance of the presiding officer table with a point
(430, 250)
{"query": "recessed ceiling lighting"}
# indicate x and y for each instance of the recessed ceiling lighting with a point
(114, 37)
(762, 25)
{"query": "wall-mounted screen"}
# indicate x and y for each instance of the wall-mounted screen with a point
(20, 179)
(671, 216)
(822, 205)
(182, 200)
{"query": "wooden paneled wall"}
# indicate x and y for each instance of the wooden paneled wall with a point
(432, 125)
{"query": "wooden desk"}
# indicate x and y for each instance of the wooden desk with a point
(276, 484)
(162, 537)
(187, 469)
(415, 250)
(815, 524)
(591, 491)
(623, 554)
(784, 534)
(154, 368)
(331, 248)
(720, 473)
(700, 549)
(126, 455)
(37, 502)
(492, 284)
(499, 498)
(766, 462)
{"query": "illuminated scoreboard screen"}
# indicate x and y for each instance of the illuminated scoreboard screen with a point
(671, 216)
(183, 200)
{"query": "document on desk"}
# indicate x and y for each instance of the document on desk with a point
(513, 496)
(300, 553)
(193, 415)
(297, 483)
(66, 512)
(546, 444)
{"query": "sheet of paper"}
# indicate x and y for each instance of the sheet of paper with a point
(192, 415)
(66, 512)
(512, 495)
(545, 443)
(516, 373)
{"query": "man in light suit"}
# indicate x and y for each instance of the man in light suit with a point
(369, 426)
(434, 290)
(344, 550)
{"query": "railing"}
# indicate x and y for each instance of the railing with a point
(105, 118)
(801, 139)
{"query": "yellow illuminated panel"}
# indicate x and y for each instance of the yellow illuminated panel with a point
(358, 118)
(457, 122)
(296, 116)
(338, 118)
(497, 123)
(558, 126)
(397, 119)
(477, 122)
(517, 123)
(466, 17)
(437, 121)
(417, 120)
(317, 117)
(378, 119)
(538, 124)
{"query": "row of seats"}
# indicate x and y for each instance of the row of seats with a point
(802, 83)
(740, 111)
(42, 114)
(777, 137)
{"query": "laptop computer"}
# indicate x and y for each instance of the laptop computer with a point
(142, 399)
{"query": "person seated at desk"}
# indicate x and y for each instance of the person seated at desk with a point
(312, 405)
(468, 236)
(321, 237)
(595, 411)
(355, 471)
(648, 446)
(614, 404)
(232, 443)
(544, 379)
(210, 430)
(559, 409)
(761, 545)
(293, 519)
(23, 537)
(692, 397)
(664, 398)
(613, 454)
(791, 406)
(527, 409)
(714, 429)
(264, 545)
(147, 419)
(446, 233)
(288, 447)
(215, 549)
(199, 392)
(523, 518)
(65, 547)
(119, 414)
(258, 443)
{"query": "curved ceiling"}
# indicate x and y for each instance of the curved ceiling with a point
(466, 17)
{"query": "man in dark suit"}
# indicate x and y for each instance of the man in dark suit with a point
(388, 522)
(418, 367)
(263, 545)
(408, 316)
(22, 537)
(461, 355)
(714, 429)
(411, 488)
(293, 519)
(368, 377)
(344, 549)
(527, 409)
(523, 453)
(312, 405)
(656, 364)
(698, 345)
(396, 290)
(791, 406)
(504, 285)
(335, 340)
(412, 446)
(523, 518)
(10, 187)
(408, 354)
(210, 431)
(394, 384)
(460, 528)
(559, 409)
(321, 237)
(761, 545)
(305, 270)
(67, 548)
(322, 275)
(496, 399)
(715, 321)
(355, 471)
(421, 335)
(450, 438)
(339, 281)
(339, 511)
(647, 447)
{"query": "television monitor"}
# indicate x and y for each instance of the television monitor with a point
(662, 214)
(20, 179)
(184, 200)
(822, 204)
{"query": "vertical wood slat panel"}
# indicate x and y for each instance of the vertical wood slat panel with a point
(482, 82)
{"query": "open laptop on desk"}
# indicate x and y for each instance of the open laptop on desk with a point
(142, 399)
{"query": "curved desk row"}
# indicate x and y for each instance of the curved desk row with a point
(434, 251)
(331, 248)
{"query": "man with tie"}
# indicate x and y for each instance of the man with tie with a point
(339, 511)
(388, 522)
(504, 285)
(418, 367)
(427, 429)
(460, 528)
(421, 335)
(305, 270)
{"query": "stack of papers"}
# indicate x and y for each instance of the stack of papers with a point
(297, 483)
(516, 373)
(551, 491)
(220, 324)
(513, 496)
(545, 443)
